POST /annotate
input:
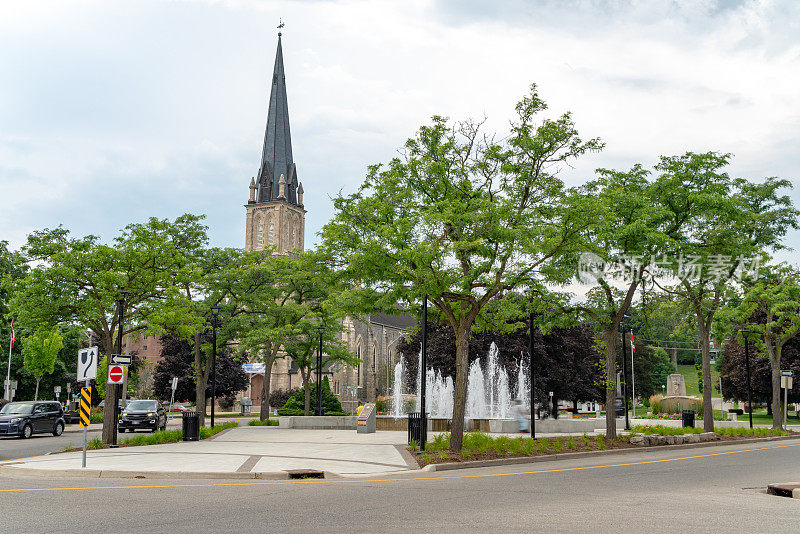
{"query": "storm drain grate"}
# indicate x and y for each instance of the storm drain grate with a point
(305, 473)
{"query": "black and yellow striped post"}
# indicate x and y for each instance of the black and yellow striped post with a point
(86, 406)
(85, 410)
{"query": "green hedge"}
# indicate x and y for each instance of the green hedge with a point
(296, 403)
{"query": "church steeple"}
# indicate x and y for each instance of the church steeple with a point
(276, 158)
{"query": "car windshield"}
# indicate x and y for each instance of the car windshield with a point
(141, 405)
(17, 407)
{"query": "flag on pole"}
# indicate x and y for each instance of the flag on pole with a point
(633, 347)
(12, 333)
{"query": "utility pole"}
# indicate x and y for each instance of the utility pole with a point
(745, 333)
(321, 329)
(533, 380)
(625, 376)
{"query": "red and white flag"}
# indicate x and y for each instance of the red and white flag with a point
(633, 347)
(12, 333)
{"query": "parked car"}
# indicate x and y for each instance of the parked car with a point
(146, 414)
(72, 413)
(24, 419)
(178, 408)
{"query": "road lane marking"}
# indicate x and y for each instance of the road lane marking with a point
(400, 479)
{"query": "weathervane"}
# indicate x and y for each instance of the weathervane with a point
(280, 25)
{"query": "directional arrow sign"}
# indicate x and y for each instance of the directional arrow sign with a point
(87, 364)
(121, 359)
(115, 374)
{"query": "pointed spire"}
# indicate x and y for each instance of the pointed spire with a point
(253, 189)
(300, 195)
(282, 188)
(276, 158)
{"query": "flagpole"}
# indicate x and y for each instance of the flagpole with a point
(633, 378)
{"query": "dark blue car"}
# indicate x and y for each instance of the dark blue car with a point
(24, 419)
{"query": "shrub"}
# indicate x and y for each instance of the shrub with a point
(558, 444)
(226, 403)
(655, 403)
(382, 405)
(600, 442)
(413, 446)
(585, 440)
(265, 422)
(279, 397)
(571, 443)
(295, 405)
(544, 443)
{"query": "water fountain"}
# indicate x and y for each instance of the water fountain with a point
(489, 390)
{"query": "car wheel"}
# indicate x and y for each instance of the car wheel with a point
(27, 431)
(59, 429)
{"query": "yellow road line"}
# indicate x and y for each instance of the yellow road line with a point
(404, 479)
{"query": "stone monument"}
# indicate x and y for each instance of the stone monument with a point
(676, 386)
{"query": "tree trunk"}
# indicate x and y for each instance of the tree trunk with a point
(109, 417)
(610, 336)
(36, 395)
(460, 395)
(777, 408)
(675, 359)
(307, 391)
(708, 387)
(270, 359)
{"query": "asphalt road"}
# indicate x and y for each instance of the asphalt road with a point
(711, 489)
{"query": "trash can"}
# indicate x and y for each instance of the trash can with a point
(688, 418)
(415, 430)
(191, 426)
(247, 405)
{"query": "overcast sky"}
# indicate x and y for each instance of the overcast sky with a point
(112, 112)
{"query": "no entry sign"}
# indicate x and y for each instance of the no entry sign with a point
(115, 374)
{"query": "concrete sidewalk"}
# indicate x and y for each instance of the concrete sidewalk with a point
(243, 452)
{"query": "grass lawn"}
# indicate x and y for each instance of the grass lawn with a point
(690, 376)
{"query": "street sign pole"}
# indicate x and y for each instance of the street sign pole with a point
(84, 414)
(172, 397)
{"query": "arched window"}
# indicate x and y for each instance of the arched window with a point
(294, 237)
(358, 369)
(260, 233)
(271, 236)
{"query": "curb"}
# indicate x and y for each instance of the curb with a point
(111, 473)
(790, 489)
(574, 455)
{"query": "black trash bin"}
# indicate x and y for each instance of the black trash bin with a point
(415, 430)
(191, 426)
(688, 418)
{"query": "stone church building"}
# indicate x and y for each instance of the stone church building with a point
(275, 216)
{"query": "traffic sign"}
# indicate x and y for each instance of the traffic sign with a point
(115, 374)
(87, 364)
(86, 406)
(788, 372)
(121, 359)
(174, 383)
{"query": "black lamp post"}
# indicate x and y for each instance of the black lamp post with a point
(214, 317)
(321, 330)
(118, 387)
(624, 373)
(423, 414)
(745, 334)
(533, 380)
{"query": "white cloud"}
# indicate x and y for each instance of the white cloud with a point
(156, 108)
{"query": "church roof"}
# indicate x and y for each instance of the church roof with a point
(276, 158)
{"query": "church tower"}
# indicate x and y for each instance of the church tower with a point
(275, 214)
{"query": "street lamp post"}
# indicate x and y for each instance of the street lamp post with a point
(118, 387)
(533, 380)
(321, 330)
(423, 365)
(214, 317)
(745, 334)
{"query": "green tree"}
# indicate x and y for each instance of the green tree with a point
(770, 307)
(721, 224)
(629, 226)
(40, 351)
(463, 218)
(12, 269)
(268, 300)
(77, 281)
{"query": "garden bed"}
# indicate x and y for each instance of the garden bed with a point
(156, 438)
(478, 446)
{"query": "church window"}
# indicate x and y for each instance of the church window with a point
(260, 233)
(271, 236)
(294, 236)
